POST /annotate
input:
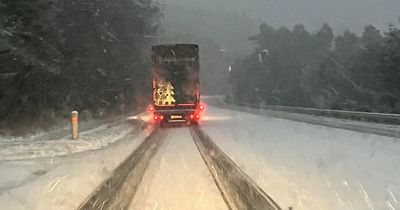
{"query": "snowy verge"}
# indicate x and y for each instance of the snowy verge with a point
(72, 178)
(95, 138)
(309, 166)
(367, 127)
(23, 161)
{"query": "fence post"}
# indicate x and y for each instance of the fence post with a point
(74, 125)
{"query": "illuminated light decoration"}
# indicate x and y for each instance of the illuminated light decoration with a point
(170, 100)
(164, 94)
(159, 96)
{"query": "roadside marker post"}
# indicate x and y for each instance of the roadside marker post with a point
(74, 125)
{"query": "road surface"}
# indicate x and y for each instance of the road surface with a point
(255, 161)
(178, 178)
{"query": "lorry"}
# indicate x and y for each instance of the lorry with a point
(176, 86)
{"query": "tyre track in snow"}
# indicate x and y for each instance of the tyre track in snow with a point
(237, 189)
(118, 191)
(177, 178)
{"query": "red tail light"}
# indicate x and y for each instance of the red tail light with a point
(158, 117)
(197, 116)
(150, 108)
(191, 116)
(202, 106)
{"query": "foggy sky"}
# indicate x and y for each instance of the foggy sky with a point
(341, 14)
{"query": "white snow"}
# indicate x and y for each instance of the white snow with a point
(68, 184)
(308, 166)
(177, 178)
(300, 165)
(28, 148)
(60, 174)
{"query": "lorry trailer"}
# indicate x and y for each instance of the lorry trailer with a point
(176, 86)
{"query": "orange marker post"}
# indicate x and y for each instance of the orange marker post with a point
(74, 125)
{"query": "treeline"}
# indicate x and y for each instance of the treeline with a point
(299, 68)
(63, 55)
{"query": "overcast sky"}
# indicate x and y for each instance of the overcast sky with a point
(341, 14)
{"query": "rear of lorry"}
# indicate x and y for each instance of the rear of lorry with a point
(176, 86)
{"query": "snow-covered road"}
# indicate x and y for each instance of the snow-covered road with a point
(308, 166)
(300, 165)
(178, 178)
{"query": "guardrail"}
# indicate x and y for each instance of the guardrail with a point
(384, 118)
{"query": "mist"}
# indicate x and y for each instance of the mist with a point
(341, 14)
(231, 22)
(229, 36)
